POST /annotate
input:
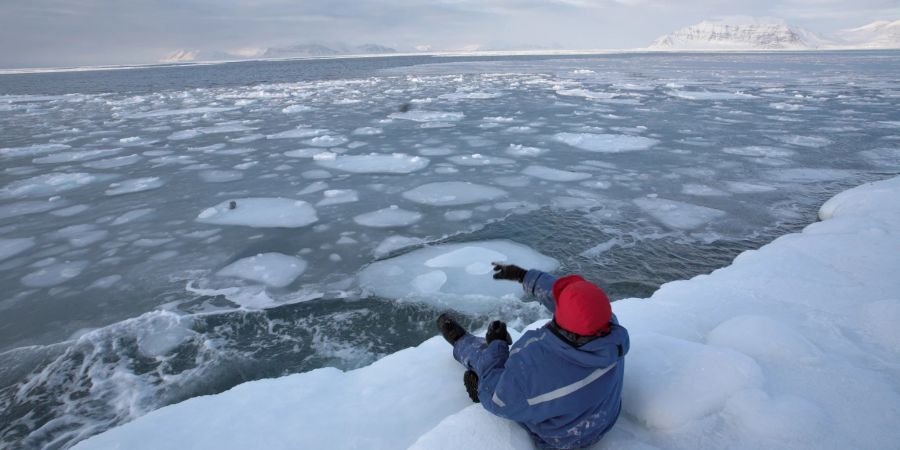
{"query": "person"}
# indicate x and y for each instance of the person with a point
(561, 382)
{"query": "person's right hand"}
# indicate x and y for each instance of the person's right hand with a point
(508, 272)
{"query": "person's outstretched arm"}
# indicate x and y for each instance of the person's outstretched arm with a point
(535, 282)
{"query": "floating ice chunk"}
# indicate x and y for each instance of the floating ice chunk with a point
(48, 184)
(106, 282)
(521, 150)
(452, 193)
(26, 207)
(478, 159)
(54, 274)
(458, 215)
(298, 133)
(470, 96)
(70, 211)
(586, 94)
(675, 214)
(367, 131)
(303, 153)
(551, 174)
(441, 151)
(338, 196)
(31, 150)
(605, 143)
(261, 213)
(131, 216)
(220, 176)
(70, 157)
(313, 187)
(376, 163)
(808, 175)
(294, 109)
(112, 163)
(499, 119)
(12, 247)
(184, 134)
(675, 382)
(81, 235)
(327, 140)
(394, 243)
(135, 185)
(272, 269)
(743, 187)
(392, 216)
(702, 190)
(710, 95)
(452, 275)
(324, 156)
(805, 141)
(742, 333)
(428, 116)
(760, 151)
(178, 112)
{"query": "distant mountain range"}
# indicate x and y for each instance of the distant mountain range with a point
(291, 51)
(776, 35)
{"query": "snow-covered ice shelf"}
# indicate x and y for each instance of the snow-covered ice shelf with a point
(791, 346)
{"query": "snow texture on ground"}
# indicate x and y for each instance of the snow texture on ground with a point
(791, 346)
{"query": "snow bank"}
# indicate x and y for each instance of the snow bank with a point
(792, 346)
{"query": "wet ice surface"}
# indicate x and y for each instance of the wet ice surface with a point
(131, 282)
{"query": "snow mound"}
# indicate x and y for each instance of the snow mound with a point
(272, 269)
(452, 193)
(452, 275)
(605, 143)
(260, 213)
(374, 163)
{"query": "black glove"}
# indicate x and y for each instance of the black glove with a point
(508, 272)
(470, 379)
(497, 332)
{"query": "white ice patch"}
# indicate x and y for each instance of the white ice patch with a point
(367, 131)
(675, 214)
(452, 275)
(297, 133)
(220, 176)
(71, 157)
(470, 96)
(261, 213)
(26, 207)
(375, 163)
(808, 175)
(54, 274)
(805, 141)
(178, 112)
(294, 109)
(760, 151)
(428, 116)
(551, 174)
(701, 190)
(70, 211)
(131, 216)
(338, 196)
(586, 94)
(605, 143)
(393, 243)
(710, 95)
(12, 247)
(48, 184)
(112, 163)
(135, 185)
(392, 216)
(452, 193)
(31, 150)
(272, 269)
(743, 187)
(478, 159)
(81, 235)
(522, 150)
(327, 140)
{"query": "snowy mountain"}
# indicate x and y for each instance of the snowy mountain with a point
(323, 50)
(753, 35)
(879, 34)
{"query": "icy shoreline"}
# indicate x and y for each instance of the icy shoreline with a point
(788, 347)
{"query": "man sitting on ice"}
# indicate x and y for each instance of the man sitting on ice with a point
(561, 382)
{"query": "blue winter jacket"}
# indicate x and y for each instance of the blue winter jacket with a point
(565, 396)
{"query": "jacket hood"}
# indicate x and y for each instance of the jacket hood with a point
(600, 352)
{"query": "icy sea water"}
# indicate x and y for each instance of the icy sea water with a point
(123, 270)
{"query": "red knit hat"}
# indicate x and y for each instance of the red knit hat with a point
(581, 306)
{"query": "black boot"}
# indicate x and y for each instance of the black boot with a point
(450, 328)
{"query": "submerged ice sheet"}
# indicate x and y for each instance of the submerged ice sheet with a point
(271, 269)
(452, 275)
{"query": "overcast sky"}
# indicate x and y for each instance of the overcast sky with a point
(37, 33)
